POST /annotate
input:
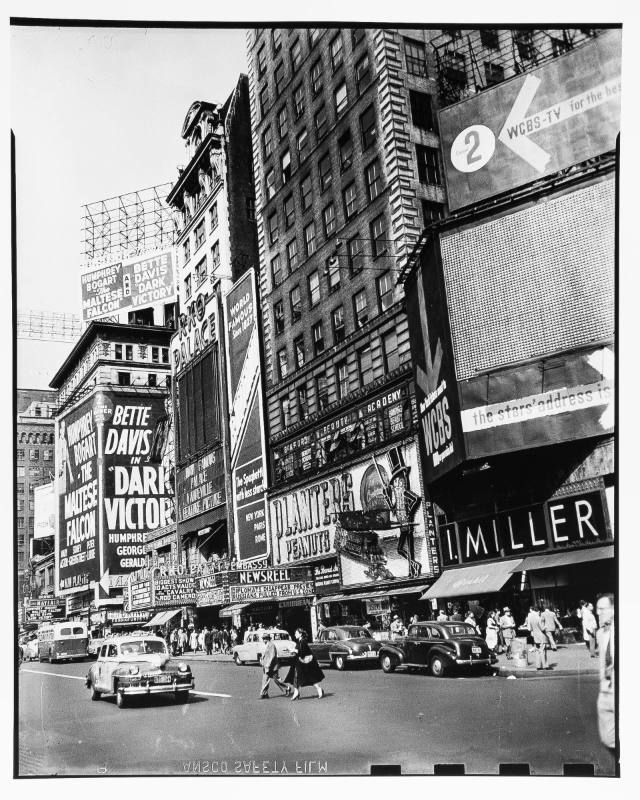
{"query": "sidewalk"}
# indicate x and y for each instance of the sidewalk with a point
(570, 659)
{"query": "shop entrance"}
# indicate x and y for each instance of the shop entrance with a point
(295, 617)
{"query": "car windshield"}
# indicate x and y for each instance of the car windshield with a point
(354, 633)
(142, 647)
(460, 630)
(281, 636)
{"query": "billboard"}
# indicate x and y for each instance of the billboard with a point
(77, 486)
(44, 515)
(535, 124)
(200, 486)
(131, 283)
(246, 419)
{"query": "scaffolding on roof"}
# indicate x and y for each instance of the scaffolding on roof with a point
(48, 326)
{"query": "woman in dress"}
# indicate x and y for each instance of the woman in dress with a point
(304, 670)
(491, 636)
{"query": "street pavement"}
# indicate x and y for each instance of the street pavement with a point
(367, 718)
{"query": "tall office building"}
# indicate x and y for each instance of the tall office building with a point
(347, 172)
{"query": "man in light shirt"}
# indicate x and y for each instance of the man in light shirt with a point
(606, 697)
(551, 624)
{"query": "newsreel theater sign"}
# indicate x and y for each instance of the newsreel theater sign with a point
(366, 515)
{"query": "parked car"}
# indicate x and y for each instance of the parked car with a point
(30, 649)
(342, 645)
(440, 647)
(252, 647)
(129, 666)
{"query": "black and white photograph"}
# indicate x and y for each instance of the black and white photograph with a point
(315, 395)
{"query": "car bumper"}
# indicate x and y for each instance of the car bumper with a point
(472, 662)
(157, 688)
(369, 656)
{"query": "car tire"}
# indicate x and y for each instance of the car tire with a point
(95, 694)
(239, 662)
(387, 662)
(121, 699)
(340, 663)
(437, 666)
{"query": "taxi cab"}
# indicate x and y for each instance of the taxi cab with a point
(252, 647)
(137, 665)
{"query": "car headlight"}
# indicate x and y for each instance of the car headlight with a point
(182, 667)
(134, 670)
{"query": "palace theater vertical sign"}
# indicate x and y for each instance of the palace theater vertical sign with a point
(246, 424)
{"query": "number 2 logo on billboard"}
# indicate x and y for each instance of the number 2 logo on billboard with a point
(473, 148)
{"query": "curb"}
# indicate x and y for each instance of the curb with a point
(533, 673)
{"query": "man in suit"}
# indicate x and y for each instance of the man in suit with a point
(551, 624)
(270, 667)
(606, 697)
(536, 626)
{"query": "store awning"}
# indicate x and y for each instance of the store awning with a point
(478, 579)
(549, 560)
(372, 594)
(161, 618)
(229, 611)
(209, 518)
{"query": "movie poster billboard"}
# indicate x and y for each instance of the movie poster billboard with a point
(138, 496)
(77, 487)
(247, 435)
(128, 284)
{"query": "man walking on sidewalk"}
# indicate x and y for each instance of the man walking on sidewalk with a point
(536, 627)
(606, 697)
(270, 667)
(551, 624)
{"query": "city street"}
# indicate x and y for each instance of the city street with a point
(367, 718)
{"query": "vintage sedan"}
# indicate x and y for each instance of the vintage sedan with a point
(252, 647)
(440, 647)
(131, 666)
(342, 645)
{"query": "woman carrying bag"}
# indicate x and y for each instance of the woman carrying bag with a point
(304, 670)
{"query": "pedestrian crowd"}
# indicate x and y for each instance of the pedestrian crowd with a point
(205, 640)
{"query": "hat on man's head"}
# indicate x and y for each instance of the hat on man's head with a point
(266, 635)
(506, 608)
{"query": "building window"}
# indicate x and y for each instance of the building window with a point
(152, 379)
(378, 235)
(128, 352)
(21, 472)
(201, 268)
(283, 122)
(332, 271)
(324, 172)
(251, 209)
(320, 122)
(422, 110)
(360, 310)
(340, 98)
(322, 391)
(314, 289)
(295, 54)
(357, 35)
(373, 179)
(305, 192)
(390, 351)
(355, 255)
(298, 101)
(345, 146)
(215, 256)
(350, 200)
(124, 379)
(337, 323)
(302, 143)
(285, 413)
(283, 367)
(431, 211)
(292, 255)
(329, 220)
(310, 239)
(303, 402)
(493, 73)
(187, 287)
(118, 351)
(272, 224)
(289, 211)
(47, 455)
(199, 235)
(37, 411)
(489, 38)
(264, 100)
(186, 250)
(428, 165)
(365, 366)
(155, 355)
(34, 472)
(34, 454)
(285, 163)
(20, 487)
(262, 60)
(276, 40)
(318, 338)
(314, 35)
(267, 142)
(316, 77)
(296, 304)
(363, 73)
(278, 77)
(213, 217)
(368, 127)
(337, 52)
(298, 351)
(342, 379)
(524, 45)
(271, 184)
(165, 355)
(276, 271)
(384, 285)
(558, 47)
(278, 316)
(416, 58)
(20, 452)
